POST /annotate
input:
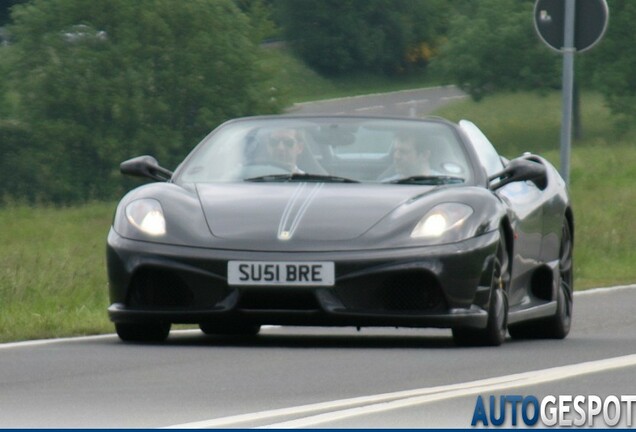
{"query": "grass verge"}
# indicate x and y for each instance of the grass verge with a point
(52, 271)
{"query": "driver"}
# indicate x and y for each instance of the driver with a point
(410, 157)
(284, 146)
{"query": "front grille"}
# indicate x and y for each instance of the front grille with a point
(277, 299)
(400, 291)
(158, 288)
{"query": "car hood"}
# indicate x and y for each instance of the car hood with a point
(300, 212)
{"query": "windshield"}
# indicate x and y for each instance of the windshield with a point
(329, 150)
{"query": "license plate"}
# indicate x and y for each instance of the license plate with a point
(280, 273)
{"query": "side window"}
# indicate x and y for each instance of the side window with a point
(486, 152)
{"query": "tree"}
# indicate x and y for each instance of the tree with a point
(101, 81)
(5, 10)
(612, 63)
(493, 46)
(260, 15)
(380, 36)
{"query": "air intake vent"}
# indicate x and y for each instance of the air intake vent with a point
(404, 291)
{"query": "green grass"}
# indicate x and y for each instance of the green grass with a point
(52, 260)
(604, 199)
(52, 271)
(518, 122)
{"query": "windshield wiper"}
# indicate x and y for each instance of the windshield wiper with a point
(301, 177)
(428, 180)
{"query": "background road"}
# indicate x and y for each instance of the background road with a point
(102, 382)
(409, 103)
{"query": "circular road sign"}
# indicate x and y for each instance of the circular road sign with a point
(590, 22)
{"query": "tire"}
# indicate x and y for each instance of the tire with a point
(495, 332)
(558, 325)
(230, 330)
(146, 332)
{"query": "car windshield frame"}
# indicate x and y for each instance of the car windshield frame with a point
(335, 149)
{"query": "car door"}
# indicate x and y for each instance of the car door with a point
(525, 200)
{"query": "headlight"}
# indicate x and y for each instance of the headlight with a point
(441, 219)
(147, 216)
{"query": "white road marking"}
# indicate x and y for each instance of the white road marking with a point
(40, 342)
(377, 94)
(370, 108)
(346, 408)
(595, 291)
(446, 98)
(412, 102)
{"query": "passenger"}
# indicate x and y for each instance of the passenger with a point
(410, 158)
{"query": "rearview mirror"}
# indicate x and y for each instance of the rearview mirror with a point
(521, 170)
(145, 166)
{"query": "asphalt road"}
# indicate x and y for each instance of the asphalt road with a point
(408, 103)
(314, 376)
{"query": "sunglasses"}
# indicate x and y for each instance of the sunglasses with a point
(286, 141)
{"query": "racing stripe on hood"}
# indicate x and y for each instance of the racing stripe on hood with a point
(296, 208)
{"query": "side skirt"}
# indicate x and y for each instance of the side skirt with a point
(541, 311)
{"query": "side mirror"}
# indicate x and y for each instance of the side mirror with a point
(521, 170)
(145, 166)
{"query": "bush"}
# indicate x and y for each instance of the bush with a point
(17, 163)
(380, 36)
(495, 48)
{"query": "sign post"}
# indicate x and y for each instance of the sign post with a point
(568, 87)
(569, 26)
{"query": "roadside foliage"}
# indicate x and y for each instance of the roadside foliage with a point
(87, 84)
(339, 37)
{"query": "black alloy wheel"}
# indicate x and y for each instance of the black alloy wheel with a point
(495, 332)
(559, 325)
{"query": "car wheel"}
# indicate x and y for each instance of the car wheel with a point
(495, 332)
(146, 332)
(558, 325)
(230, 330)
(562, 321)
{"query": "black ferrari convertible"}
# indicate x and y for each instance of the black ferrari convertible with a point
(344, 221)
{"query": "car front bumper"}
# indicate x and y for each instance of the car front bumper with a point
(436, 286)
